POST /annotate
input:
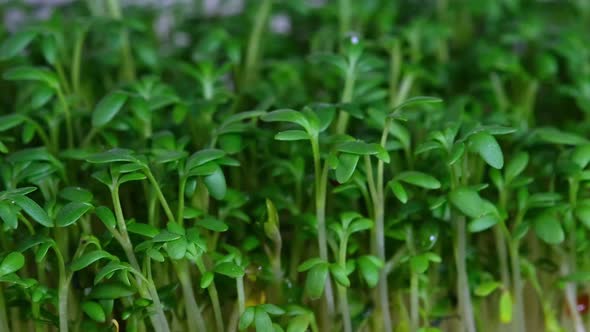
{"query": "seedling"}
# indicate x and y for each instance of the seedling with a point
(295, 166)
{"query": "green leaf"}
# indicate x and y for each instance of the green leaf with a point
(165, 236)
(146, 230)
(10, 121)
(548, 229)
(359, 225)
(135, 176)
(488, 148)
(111, 291)
(16, 43)
(582, 212)
(271, 226)
(9, 194)
(94, 311)
(419, 263)
(316, 281)
(3, 148)
(108, 270)
(33, 154)
(111, 156)
(229, 269)
(42, 251)
(202, 157)
(71, 212)
(107, 108)
(213, 224)
(191, 213)
(85, 260)
(419, 179)
(468, 202)
(76, 194)
(516, 166)
(13, 262)
(28, 133)
(417, 101)
(34, 210)
(272, 309)
(482, 223)
(129, 168)
(496, 130)
(456, 153)
(177, 249)
(155, 255)
(555, 136)
(216, 184)
(241, 116)
(247, 318)
(432, 257)
(207, 279)
(168, 156)
(106, 216)
(203, 170)
(287, 115)
(364, 149)
(486, 288)
(399, 191)
(346, 166)
(27, 73)
(339, 274)
(41, 96)
(299, 323)
(369, 267)
(581, 156)
(292, 135)
(262, 321)
(49, 49)
(427, 146)
(8, 215)
(308, 264)
(506, 307)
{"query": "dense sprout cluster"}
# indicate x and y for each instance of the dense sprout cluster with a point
(291, 165)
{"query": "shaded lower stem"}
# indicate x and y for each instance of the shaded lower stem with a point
(463, 291)
(321, 179)
(3, 316)
(158, 318)
(519, 321)
(193, 312)
(212, 289)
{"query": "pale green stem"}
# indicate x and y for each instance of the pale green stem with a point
(499, 92)
(462, 280)
(158, 318)
(77, 61)
(63, 288)
(253, 50)
(571, 265)
(160, 195)
(347, 94)
(181, 189)
(212, 289)
(241, 295)
(342, 292)
(519, 324)
(414, 298)
(67, 116)
(193, 312)
(320, 198)
(128, 63)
